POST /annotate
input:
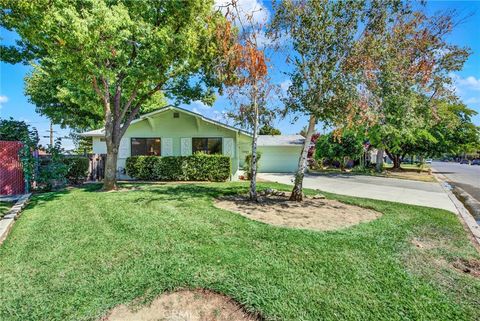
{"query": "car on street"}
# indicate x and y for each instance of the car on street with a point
(428, 161)
(475, 162)
(464, 161)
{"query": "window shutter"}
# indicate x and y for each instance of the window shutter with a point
(167, 146)
(228, 147)
(123, 149)
(186, 146)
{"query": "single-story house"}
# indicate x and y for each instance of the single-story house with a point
(174, 131)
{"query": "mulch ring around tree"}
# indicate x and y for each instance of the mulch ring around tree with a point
(314, 213)
(470, 267)
(191, 305)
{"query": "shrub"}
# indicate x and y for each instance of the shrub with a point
(77, 169)
(198, 167)
(248, 162)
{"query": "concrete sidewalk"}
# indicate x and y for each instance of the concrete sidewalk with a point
(381, 188)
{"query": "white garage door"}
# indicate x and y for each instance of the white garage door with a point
(279, 159)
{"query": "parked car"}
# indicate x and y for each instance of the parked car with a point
(475, 162)
(464, 161)
(428, 161)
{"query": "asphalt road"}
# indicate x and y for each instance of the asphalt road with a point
(464, 176)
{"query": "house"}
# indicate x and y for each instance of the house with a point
(174, 131)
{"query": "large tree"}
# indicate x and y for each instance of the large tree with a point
(322, 35)
(113, 56)
(250, 87)
(405, 65)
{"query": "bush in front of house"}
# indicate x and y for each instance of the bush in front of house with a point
(77, 169)
(198, 167)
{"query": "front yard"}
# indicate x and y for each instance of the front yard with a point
(408, 171)
(76, 254)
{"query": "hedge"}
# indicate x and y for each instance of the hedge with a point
(77, 169)
(198, 167)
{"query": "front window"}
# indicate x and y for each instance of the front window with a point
(146, 146)
(210, 145)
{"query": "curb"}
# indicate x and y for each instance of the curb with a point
(465, 216)
(9, 219)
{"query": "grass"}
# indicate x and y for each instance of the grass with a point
(75, 254)
(4, 208)
(409, 172)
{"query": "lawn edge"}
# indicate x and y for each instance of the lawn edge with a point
(466, 218)
(6, 223)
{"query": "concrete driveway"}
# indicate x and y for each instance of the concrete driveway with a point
(387, 189)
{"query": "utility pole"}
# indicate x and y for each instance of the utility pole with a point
(50, 131)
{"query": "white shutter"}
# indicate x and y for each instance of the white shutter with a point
(167, 146)
(228, 147)
(186, 146)
(124, 148)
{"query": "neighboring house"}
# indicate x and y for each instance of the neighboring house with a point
(174, 131)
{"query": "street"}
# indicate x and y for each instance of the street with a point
(464, 176)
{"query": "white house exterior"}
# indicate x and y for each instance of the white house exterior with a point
(174, 131)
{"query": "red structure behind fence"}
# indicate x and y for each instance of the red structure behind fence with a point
(11, 172)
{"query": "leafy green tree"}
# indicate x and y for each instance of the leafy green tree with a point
(110, 57)
(269, 130)
(323, 34)
(342, 146)
(450, 131)
(405, 66)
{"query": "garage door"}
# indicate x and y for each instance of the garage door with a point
(279, 159)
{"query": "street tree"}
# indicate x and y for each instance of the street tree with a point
(322, 35)
(405, 65)
(250, 88)
(111, 57)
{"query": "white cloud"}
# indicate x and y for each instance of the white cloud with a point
(468, 83)
(3, 100)
(254, 8)
(284, 85)
(199, 104)
(195, 110)
(473, 100)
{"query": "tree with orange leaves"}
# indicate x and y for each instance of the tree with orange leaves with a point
(405, 64)
(246, 68)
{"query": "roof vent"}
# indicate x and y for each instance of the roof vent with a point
(176, 115)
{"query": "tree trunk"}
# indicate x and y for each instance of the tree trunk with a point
(110, 179)
(396, 162)
(297, 191)
(112, 140)
(253, 165)
(379, 160)
(395, 159)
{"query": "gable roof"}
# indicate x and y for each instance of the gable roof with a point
(280, 140)
(101, 132)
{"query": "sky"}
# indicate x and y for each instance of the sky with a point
(14, 103)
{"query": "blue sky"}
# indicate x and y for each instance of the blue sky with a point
(13, 102)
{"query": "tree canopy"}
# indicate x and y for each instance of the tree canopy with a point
(106, 59)
(269, 130)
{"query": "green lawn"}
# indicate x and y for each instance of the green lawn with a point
(73, 255)
(4, 208)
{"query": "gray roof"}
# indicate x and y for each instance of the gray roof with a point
(280, 140)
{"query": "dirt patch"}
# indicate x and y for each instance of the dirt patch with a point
(191, 305)
(470, 267)
(312, 213)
